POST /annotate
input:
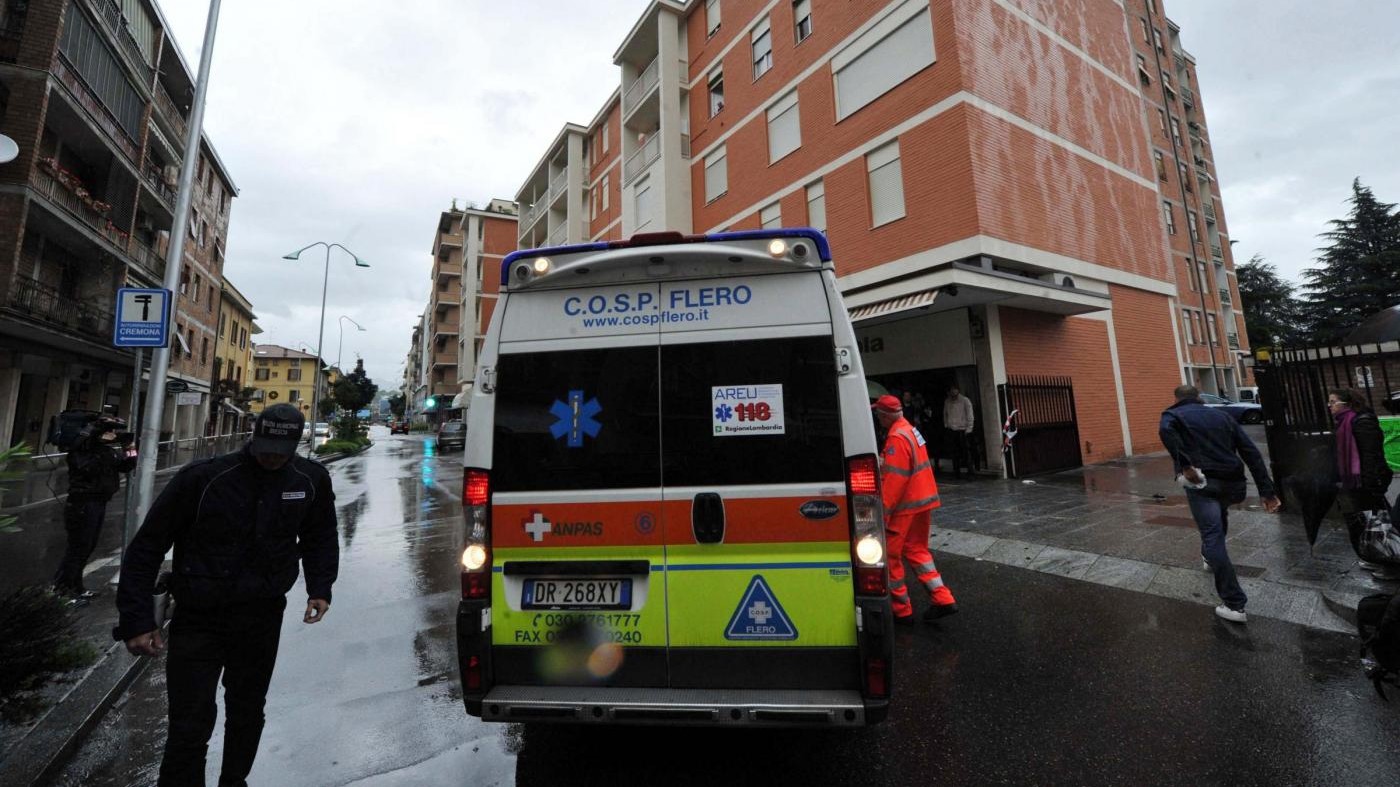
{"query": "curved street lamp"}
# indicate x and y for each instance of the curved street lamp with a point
(341, 345)
(321, 336)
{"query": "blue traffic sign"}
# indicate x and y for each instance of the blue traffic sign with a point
(143, 318)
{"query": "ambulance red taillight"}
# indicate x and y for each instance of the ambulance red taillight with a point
(471, 676)
(867, 525)
(877, 678)
(476, 552)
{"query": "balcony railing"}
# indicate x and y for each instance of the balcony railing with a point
(641, 87)
(558, 236)
(445, 359)
(1209, 210)
(156, 180)
(1216, 252)
(1234, 340)
(1225, 296)
(166, 106)
(148, 259)
(556, 186)
(47, 304)
(640, 159)
(111, 14)
(87, 210)
(1188, 97)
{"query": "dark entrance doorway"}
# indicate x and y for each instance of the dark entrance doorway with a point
(928, 388)
(1046, 425)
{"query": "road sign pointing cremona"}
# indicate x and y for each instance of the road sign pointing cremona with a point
(143, 318)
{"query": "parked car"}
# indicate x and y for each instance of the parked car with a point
(1244, 412)
(1249, 393)
(323, 429)
(398, 427)
(452, 434)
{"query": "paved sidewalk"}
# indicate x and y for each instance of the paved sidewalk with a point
(1126, 524)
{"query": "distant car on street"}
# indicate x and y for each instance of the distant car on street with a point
(323, 429)
(398, 427)
(1244, 412)
(452, 434)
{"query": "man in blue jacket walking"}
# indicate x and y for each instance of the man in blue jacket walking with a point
(1207, 445)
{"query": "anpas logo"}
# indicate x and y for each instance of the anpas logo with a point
(538, 527)
(819, 509)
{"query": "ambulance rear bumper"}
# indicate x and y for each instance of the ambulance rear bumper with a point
(693, 707)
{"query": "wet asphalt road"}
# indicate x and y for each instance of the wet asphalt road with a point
(1042, 679)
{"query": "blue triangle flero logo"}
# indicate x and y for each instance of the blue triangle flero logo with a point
(760, 616)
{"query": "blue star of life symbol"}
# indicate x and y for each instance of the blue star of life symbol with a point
(575, 418)
(724, 412)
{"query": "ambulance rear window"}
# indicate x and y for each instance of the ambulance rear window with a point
(808, 448)
(577, 419)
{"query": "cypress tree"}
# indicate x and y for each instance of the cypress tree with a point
(1358, 272)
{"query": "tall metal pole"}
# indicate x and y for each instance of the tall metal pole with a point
(129, 520)
(160, 361)
(316, 373)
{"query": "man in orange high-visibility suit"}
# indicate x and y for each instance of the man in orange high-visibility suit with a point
(910, 495)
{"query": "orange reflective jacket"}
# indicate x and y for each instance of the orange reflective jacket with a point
(906, 475)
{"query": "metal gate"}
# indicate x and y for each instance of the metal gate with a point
(1045, 424)
(1293, 386)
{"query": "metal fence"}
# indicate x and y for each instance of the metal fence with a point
(1046, 425)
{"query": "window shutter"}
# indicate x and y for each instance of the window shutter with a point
(712, 15)
(762, 49)
(642, 201)
(771, 216)
(886, 184)
(875, 63)
(716, 175)
(784, 127)
(816, 206)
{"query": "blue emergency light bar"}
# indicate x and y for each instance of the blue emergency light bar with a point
(644, 239)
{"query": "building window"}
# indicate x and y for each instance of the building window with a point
(762, 46)
(784, 127)
(294, 395)
(716, 175)
(1191, 226)
(1162, 117)
(605, 192)
(1143, 73)
(593, 203)
(261, 373)
(642, 198)
(223, 325)
(1146, 30)
(771, 216)
(816, 206)
(896, 48)
(194, 291)
(242, 338)
(211, 296)
(1171, 219)
(1211, 329)
(886, 184)
(294, 374)
(204, 352)
(712, 14)
(1176, 132)
(716, 91)
(1161, 164)
(1189, 326)
(605, 137)
(189, 346)
(1157, 40)
(802, 19)
(185, 280)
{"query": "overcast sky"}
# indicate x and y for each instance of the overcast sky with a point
(347, 122)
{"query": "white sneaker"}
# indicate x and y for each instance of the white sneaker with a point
(1205, 565)
(1234, 616)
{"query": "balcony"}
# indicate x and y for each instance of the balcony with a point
(556, 186)
(1188, 97)
(46, 304)
(61, 189)
(444, 359)
(1209, 209)
(641, 87)
(559, 236)
(642, 158)
(1234, 340)
(155, 179)
(1225, 297)
(1216, 253)
(111, 14)
(165, 108)
(151, 262)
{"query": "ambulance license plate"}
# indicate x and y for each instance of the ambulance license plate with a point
(591, 593)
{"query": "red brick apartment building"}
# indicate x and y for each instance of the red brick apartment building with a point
(1011, 188)
(96, 94)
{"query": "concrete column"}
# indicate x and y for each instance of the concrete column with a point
(56, 395)
(575, 201)
(672, 188)
(9, 402)
(991, 372)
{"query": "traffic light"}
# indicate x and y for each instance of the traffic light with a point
(430, 403)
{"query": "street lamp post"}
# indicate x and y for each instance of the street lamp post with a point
(321, 335)
(341, 345)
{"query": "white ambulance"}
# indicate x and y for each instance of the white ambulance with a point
(671, 491)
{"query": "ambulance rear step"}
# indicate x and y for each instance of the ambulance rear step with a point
(721, 707)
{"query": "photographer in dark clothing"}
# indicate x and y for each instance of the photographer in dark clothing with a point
(238, 523)
(95, 464)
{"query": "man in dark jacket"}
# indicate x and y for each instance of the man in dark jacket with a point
(95, 464)
(1206, 445)
(238, 523)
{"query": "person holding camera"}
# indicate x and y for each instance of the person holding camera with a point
(239, 523)
(95, 464)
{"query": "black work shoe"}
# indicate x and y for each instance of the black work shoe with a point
(941, 611)
(904, 620)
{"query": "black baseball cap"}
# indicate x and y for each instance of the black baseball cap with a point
(278, 430)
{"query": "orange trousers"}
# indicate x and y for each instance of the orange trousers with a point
(906, 538)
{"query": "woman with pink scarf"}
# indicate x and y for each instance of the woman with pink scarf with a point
(1363, 475)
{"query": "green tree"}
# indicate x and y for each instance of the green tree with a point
(1358, 272)
(1272, 313)
(354, 392)
(396, 405)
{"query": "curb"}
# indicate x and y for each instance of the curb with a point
(38, 756)
(1343, 605)
(325, 460)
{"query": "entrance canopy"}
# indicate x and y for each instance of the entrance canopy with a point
(957, 285)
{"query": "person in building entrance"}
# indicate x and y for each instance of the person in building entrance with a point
(238, 524)
(103, 452)
(958, 421)
(910, 495)
(1363, 475)
(1207, 445)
